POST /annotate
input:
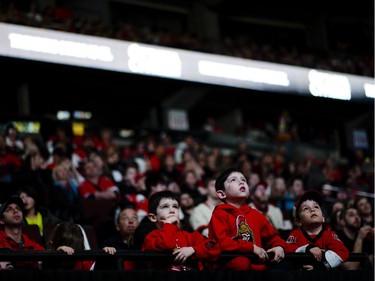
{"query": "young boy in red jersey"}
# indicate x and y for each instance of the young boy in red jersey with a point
(314, 236)
(190, 249)
(239, 228)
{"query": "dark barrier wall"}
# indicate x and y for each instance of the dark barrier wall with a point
(367, 274)
(355, 275)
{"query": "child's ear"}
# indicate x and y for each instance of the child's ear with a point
(152, 217)
(298, 222)
(221, 194)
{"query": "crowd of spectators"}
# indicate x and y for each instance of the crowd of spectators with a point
(67, 172)
(342, 57)
(64, 174)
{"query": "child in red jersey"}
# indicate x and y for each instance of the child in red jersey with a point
(239, 228)
(314, 236)
(190, 249)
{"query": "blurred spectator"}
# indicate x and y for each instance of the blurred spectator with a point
(34, 213)
(12, 236)
(260, 201)
(186, 207)
(65, 198)
(191, 184)
(201, 214)
(169, 168)
(333, 215)
(13, 140)
(60, 139)
(70, 238)
(126, 224)
(254, 179)
(356, 238)
(9, 162)
(114, 163)
(34, 173)
(365, 210)
(96, 185)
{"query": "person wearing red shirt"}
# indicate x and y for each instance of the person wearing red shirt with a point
(11, 235)
(314, 236)
(239, 228)
(190, 249)
(96, 185)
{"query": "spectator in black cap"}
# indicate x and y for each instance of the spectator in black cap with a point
(11, 236)
(314, 236)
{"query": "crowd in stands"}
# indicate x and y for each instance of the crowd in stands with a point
(89, 179)
(342, 57)
(69, 180)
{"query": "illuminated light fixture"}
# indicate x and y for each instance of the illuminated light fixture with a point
(63, 115)
(154, 61)
(60, 47)
(117, 55)
(31, 127)
(328, 85)
(369, 90)
(78, 128)
(126, 133)
(83, 115)
(244, 73)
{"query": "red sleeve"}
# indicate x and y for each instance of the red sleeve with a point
(161, 239)
(336, 245)
(204, 248)
(218, 229)
(293, 242)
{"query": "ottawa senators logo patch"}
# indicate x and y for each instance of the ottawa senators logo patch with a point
(291, 240)
(243, 230)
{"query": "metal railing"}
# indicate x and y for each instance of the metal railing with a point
(122, 256)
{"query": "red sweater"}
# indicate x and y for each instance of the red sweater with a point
(170, 237)
(238, 229)
(335, 250)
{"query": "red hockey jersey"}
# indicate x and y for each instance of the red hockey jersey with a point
(335, 250)
(171, 236)
(238, 229)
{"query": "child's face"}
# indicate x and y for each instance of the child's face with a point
(236, 189)
(310, 213)
(167, 212)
